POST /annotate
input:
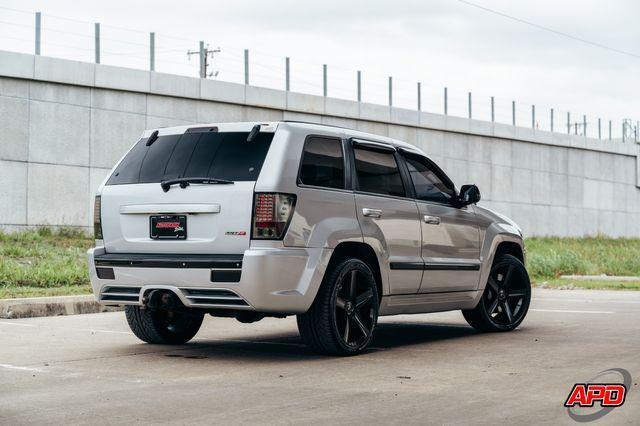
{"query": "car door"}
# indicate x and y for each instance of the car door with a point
(388, 218)
(450, 234)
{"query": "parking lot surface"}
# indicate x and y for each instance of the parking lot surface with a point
(421, 369)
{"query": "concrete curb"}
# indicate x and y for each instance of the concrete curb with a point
(51, 306)
(600, 278)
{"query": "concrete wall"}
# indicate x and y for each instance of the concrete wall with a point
(64, 124)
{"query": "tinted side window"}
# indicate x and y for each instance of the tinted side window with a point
(378, 172)
(429, 186)
(322, 163)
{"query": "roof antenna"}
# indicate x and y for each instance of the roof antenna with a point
(254, 133)
(152, 138)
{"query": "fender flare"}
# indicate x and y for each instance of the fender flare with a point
(489, 249)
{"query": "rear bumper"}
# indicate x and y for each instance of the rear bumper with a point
(271, 280)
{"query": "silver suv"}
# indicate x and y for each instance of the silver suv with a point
(336, 226)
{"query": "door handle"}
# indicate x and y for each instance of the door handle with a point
(431, 220)
(376, 213)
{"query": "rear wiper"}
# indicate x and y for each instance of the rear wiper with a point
(184, 182)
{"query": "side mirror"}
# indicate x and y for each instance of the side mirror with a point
(469, 194)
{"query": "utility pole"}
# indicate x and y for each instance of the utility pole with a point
(205, 53)
(629, 131)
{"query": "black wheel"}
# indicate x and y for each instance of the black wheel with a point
(168, 327)
(506, 297)
(345, 312)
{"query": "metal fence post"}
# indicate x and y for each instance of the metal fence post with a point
(38, 31)
(97, 42)
(584, 125)
(568, 123)
(493, 110)
(446, 101)
(287, 74)
(246, 66)
(419, 97)
(599, 129)
(359, 76)
(152, 51)
(533, 116)
(324, 80)
(610, 133)
(551, 124)
(513, 113)
(470, 107)
(390, 91)
(203, 58)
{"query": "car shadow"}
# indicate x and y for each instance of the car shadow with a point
(394, 335)
(289, 346)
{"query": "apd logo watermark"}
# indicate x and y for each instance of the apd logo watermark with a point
(599, 395)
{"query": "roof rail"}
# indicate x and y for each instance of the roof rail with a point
(317, 124)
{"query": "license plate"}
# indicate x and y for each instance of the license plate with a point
(168, 227)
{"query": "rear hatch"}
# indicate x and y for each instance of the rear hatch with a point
(205, 206)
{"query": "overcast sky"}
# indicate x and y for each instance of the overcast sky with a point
(438, 42)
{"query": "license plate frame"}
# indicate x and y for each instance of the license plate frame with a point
(172, 227)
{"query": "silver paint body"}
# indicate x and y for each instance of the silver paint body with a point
(284, 276)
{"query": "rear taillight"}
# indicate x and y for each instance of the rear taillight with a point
(97, 218)
(271, 215)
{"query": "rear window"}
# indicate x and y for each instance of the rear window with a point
(225, 155)
(322, 163)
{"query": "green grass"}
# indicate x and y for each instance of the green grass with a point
(12, 292)
(45, 262)
(551, 257)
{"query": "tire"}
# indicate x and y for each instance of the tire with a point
(161, 327)
(344, 314)
(506, 297)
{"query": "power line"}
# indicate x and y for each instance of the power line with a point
(29, 12)
(551, 30)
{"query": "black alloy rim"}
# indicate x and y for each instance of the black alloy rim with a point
(506, 297)
(355, 309)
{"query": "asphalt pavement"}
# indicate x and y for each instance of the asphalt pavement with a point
(421, 369)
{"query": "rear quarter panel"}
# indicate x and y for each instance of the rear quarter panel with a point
(322, 217)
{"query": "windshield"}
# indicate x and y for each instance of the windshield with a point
(225, 155)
